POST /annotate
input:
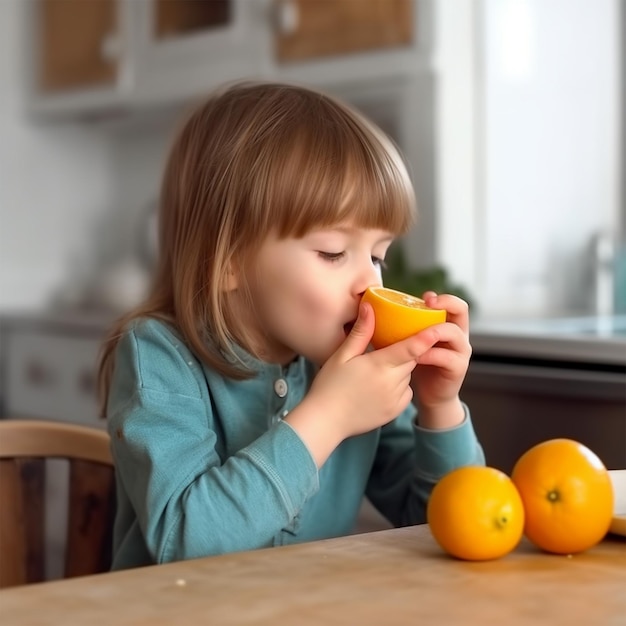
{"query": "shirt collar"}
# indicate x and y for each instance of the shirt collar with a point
(266, 370)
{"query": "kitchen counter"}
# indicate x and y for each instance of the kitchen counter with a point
(533, 380)
(582, 339)
(593, 340)
(75, 320)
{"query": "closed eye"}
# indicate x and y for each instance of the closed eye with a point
(380, 262)
(331, 256)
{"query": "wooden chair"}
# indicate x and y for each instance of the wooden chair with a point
(24, 447)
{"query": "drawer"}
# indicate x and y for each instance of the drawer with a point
(52, 376)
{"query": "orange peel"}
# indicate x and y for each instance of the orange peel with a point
(399, 315)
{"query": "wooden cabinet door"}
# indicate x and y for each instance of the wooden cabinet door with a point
(319, 28)
(73, 37)
(177, 18)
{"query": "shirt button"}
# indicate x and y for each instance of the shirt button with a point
(280, 387)
(284, 414)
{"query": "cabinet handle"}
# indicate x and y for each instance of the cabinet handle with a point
(287, 17)
(38, 375)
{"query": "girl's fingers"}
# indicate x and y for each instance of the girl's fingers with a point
(400, 358)
(449, 347)
(457, 309)
(444, 359)
(448, 335)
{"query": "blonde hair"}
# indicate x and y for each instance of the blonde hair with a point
(257, 158)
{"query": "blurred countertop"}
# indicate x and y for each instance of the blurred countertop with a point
(90, 321)
(593, 339)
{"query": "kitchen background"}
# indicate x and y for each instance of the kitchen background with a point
(511, 114)
(514, 131)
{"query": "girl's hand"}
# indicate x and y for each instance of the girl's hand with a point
(355, 391)
(437, 379)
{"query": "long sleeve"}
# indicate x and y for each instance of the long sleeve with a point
(409, 462)
(205, 465)
(188, 497)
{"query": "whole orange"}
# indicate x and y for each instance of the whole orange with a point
(567, 494)
(475, 513)
(399, 315)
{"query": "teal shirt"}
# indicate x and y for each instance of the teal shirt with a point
(206, 465)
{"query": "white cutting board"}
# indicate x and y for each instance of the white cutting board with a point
(618, 524)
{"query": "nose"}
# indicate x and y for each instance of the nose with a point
(369, 276)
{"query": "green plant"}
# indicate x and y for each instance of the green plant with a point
(398, 275)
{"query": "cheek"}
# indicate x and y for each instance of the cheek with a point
(281, 292)
(313, 300)
(298, 287)
(300, 298)
(318, 295)
(300, 302)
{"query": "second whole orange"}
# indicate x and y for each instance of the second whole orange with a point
(475, 513)
(399, 315)
(567, 494)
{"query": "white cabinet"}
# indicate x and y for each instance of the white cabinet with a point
(112, 56)
(77, 54)
(186, 47)
(52, 376)
(49, 369)
(76, 44)
(107, 57)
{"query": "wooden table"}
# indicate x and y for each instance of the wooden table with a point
(383, 578)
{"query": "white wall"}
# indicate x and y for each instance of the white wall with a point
(138, 155)
(526, 148)
(55, 187)
(623, 122)
(551, 119)
(456, 172)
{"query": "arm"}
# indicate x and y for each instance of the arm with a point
(358, 391)
(411, 459)
(190, 501)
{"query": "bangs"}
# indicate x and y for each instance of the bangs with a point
(328, 167)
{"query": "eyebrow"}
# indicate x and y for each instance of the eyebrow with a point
(350, 230)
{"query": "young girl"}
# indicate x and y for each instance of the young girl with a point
(244, 406)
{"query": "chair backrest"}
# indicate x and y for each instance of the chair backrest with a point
(25, 445)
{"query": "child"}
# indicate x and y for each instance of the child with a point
(244, 406)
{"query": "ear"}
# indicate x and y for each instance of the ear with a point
(231, 280)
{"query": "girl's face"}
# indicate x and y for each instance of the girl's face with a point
(307, 291)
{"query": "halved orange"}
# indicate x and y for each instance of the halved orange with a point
(399, 315)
